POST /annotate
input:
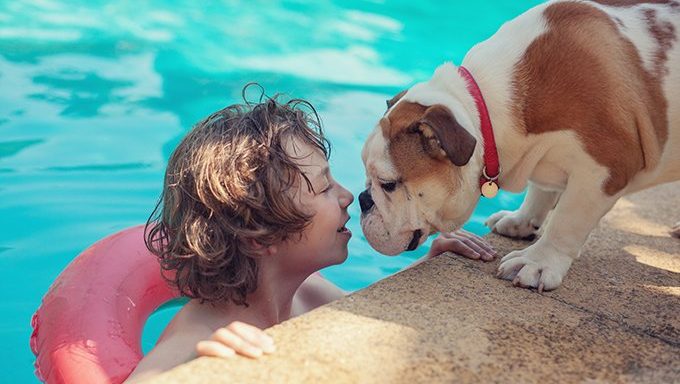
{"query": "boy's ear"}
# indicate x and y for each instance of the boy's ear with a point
(271, 250)
(261, 249)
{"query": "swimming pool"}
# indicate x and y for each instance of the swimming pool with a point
(94, 97)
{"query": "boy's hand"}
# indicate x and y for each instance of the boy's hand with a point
(463, 243)
(236, 338)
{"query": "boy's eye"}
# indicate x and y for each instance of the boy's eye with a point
(389, 186)
(328, 188)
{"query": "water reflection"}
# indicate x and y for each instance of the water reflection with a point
(94, 97)
(12, 147)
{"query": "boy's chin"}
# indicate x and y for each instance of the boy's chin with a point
(344, 256)
(339, 257)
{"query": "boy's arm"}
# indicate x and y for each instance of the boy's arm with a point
(236, 338)
(167, 354)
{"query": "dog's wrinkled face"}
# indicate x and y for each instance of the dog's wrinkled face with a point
(420, 177)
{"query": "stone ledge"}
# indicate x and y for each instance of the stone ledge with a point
(615, 319)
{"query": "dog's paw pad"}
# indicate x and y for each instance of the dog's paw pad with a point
(531, 268)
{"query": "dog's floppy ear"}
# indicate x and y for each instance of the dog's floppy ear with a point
(443, 137)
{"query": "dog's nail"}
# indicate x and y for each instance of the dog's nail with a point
(540, 288)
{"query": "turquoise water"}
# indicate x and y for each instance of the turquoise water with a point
(95, 95)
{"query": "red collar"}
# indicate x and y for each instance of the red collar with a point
(491, 170)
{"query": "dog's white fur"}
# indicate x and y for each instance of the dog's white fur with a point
(555, 166)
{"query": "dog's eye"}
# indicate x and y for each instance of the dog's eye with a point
(389, 186)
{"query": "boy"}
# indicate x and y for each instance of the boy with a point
(249, 213)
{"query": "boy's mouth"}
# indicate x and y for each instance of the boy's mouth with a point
(344, 228)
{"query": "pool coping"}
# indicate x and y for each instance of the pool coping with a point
(449, 319)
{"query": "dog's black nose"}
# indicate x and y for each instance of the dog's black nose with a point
(365, 201)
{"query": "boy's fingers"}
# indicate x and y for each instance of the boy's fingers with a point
(435, 249)
(465, 243)
(479, 251)
(471, 235)
(488, 249)
(214, 348)
(459, 246)
(246, 329)
(442, 245)
(253, 335)
(236, 342)
(465, 250)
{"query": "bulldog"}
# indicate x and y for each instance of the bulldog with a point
(576, 101)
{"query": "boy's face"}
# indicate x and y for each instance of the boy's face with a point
(324, 240)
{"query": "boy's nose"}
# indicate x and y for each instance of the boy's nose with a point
(347, 197)
(365, 201)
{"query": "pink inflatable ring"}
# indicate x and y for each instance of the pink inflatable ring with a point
(89, 326)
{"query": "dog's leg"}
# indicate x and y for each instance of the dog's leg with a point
(544, 264)
(525, 221)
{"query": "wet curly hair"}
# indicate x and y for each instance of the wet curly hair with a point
(226, 192)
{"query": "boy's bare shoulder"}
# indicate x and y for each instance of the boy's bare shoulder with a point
(196, 322)
(176, 345)
(315, 292)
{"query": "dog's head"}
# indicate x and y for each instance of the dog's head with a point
(422, 167)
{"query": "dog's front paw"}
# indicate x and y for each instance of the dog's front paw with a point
(513, 224)
(535, 267)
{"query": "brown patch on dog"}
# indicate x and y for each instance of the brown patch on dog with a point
(631, 3)
(399, 119)
(411, 159)
(583, 75)
(406, 151)
(414, 145)
(664, 34)
(442, 132)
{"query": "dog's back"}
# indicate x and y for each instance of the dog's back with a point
(610, 73)
(654, 30)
